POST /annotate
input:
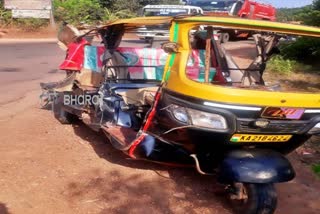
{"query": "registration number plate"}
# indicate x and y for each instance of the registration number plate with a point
(238, 138)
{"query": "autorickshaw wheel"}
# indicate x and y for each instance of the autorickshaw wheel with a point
(149, 40)
(61, 115)
(256, 199)
(225, 37)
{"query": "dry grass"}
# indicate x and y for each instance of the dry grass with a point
(295, 82)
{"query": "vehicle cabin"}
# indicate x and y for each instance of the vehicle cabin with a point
(192, 63)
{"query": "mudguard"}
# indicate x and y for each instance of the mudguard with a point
(255, 166)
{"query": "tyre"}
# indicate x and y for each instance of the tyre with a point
(261, 199)
(149, 40)
(225, 37)
(59, 112)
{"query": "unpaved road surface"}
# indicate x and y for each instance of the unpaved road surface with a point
(46, 167)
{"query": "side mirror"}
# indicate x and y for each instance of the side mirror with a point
(170, 47)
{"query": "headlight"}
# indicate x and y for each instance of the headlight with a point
(180, 113)
(199, 118)
(315, 129)
(207, 120)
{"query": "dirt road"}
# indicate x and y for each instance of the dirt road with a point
(46, 167)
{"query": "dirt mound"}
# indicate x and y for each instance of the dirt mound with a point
(14, 33)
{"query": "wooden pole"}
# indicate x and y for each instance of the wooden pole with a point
(208, 53)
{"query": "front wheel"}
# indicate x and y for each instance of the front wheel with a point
(254, 199)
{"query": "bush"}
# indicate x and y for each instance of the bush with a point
(78, 11)
(303, 50)
(280, 65)
(30, 24)
(5, 15)
(109, 15)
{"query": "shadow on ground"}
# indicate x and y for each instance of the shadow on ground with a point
(165, 190)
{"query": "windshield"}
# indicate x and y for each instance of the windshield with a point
(209, 5)
(164, 11)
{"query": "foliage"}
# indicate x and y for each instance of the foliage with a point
(107, 3)
(77, 11)
(316, 169)
(108, 15)
(316, 4)
(130, 5)
(292, 14)
(311, 18)
(309, 15)
(84, 11)
(5, 15)
(30, 24)
(305, 49)
(278, 64)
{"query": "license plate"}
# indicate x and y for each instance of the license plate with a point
(238, 138)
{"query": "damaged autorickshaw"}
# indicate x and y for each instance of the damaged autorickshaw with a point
(188, 103)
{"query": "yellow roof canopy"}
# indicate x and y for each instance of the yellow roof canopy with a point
(225, 22)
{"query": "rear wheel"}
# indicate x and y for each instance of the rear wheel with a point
(149, 40)
(225, 37)
(60, 113)
(255, 199)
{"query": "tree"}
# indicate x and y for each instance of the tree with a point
(107, 3)
(312, 17)
(304, 49)
(316, 4)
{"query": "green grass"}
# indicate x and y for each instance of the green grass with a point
(316, 169)
(278, 64)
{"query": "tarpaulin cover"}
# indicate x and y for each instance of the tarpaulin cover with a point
(147, 63)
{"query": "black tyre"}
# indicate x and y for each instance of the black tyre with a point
(59, 112)
(261, 199)
(149, 40)
(225, 37)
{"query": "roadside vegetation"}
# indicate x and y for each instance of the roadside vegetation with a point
(81, 11)
(299, 54)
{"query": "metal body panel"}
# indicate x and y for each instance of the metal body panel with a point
(255, 166)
